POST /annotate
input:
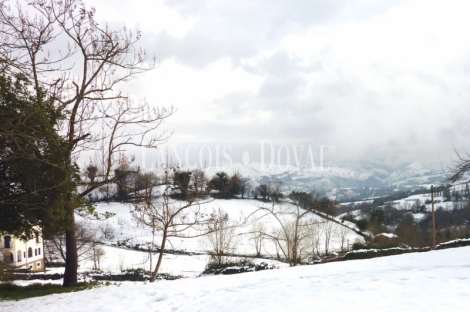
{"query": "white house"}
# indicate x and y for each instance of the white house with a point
(22, 254)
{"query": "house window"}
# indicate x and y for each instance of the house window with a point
(35, 252)
(38, 264)
(19, 256)
(7, 241)
(39, 251)
(30, 252)
(37, 238)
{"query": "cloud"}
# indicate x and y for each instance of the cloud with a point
(198, 50)
(375, 79)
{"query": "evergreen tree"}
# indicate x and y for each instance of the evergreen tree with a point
(220, 182)
(235, 184)
(446, 193)
(33, 168)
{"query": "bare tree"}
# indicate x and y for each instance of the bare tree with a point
(82, 81)
(245, 186)
(107, 230)
(198, 180)
(172, 217)
(315, 234)
(221, 241)
(145, 180)
(121, 222)
(459, 167)
(275, 189)
(328, 231)
(292, 240)
(341, 236)
(97, 253)
(292, 234)
(121, 263)
(257, 234)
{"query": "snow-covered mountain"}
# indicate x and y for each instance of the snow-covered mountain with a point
(348, 174)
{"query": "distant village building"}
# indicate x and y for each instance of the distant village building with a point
(21, 254)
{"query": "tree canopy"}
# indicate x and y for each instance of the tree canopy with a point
(33, 166)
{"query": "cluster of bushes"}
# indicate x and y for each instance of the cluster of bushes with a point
(373, 253)
(455, 243)
(54, 264)
(235, 267)
(133, 275)
(28, 277)
(145, 247)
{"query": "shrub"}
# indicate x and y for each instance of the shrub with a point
(235, 267)
(360, 246)
(373, 253)
(5, 274)
(135, 275)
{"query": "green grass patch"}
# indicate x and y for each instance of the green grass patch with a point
(10, 291)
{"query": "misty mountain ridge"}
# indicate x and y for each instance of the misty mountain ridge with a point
(376, 173)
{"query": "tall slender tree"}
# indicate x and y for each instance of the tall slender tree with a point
(80, 65)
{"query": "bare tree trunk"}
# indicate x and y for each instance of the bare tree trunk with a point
(151, 248)
(160, 257)
(71, 260)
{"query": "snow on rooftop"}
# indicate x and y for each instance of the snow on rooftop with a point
(389, 235)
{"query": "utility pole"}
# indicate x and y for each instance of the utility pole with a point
(433, 219)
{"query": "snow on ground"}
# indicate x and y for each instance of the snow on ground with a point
(116, 259)
(126, 228)
(407, 203)
(418, 216)
(185, 265)
(369, 201)
(431, 281)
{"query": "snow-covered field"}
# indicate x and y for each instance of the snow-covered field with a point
(431, 281)
(184, 265)
(126, 228)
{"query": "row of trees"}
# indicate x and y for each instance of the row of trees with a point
(129, 180)
(450, 224)
(297, 234)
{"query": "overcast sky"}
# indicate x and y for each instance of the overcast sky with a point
(371, 78)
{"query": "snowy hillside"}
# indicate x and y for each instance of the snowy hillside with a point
(125, 229)
(351, 174)
(431, 281)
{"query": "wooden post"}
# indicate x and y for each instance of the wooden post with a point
(433, 219)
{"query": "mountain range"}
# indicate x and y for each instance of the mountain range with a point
(376, 173)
